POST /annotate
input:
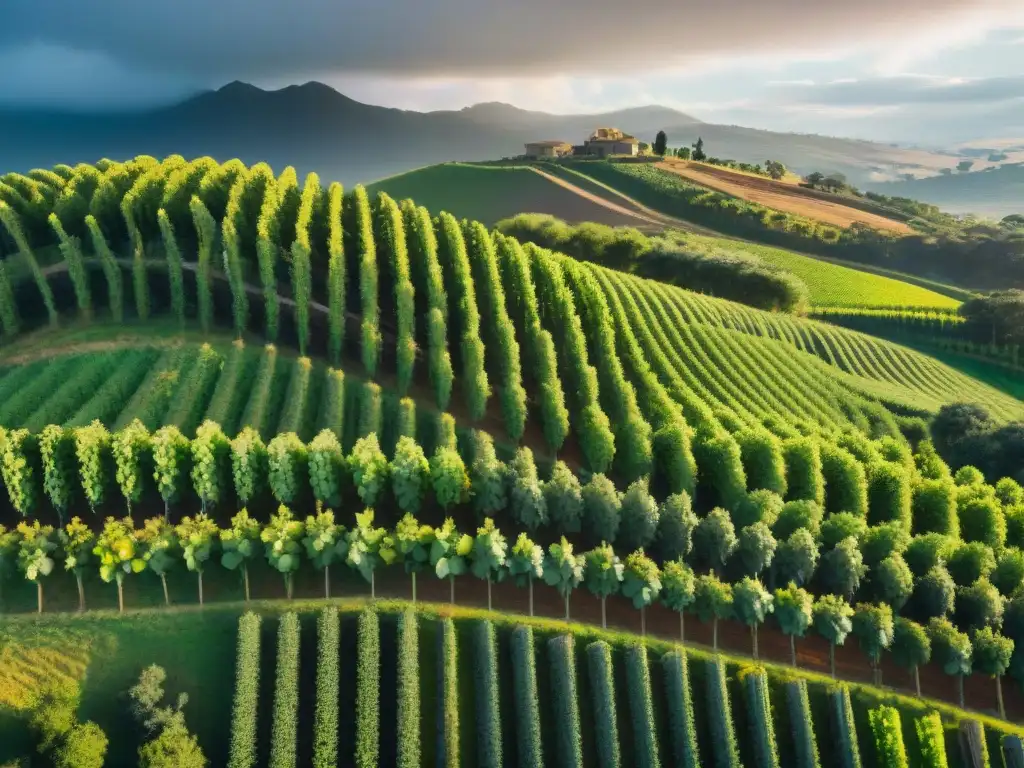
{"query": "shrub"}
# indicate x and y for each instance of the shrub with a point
(284, 730)
(641, 708)
(721, 468)
(408, 730)
(325, 718)
(931, 738)
(763, 460)
(569, 740)
(804, 746)
(448, 696)
(882, 541)
(601, 506)
(337, 279)
(1009, 571)
(847, 750)
(981, 519)
(888, 737)
(970, 561)
(563, 496)
(839, 526)
(367, 747)
(527, 705)
(676, 522)
(526, 497)
(639, 517)
(725, 750)
(682, 725)
(673, 457)
(934, 508)
(247, 694)
(757, 507)
(889, 494)
(804, 479)
(488, 717)
(796, 515)
(759, 713)
(845, 482)
(602, 691)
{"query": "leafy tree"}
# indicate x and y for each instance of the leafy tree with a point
(991, 655)
(678, 586)
(197, 537)
(926, 551)
(934, 594)
(57, 451)
(160, 548)
(287, 468)
(18, 467)
(951, 649)
(92, 446)
(85, 746)
(660, 144)
(979, 605)
(775, 169)
(369, 548)
(210, 450)
(796, 558)
(239, 544)
(712, 600)
(756, 548)
(526, 563)
(911, 647)
(76, 541)
(132, 448)
(601, 506)
(54, 716)
(794, 610)
(970, 561)
(171, 454)
(760, 506)
(563, 495)
(873, 628)
(641, 583)
(1009, 571)
(369, 468)
(410, 475)
(448, 477)
(489, 555)
(797, 514)
(249, 465)
(282, 544)
(638, 516)
(832, 616)
(698, 151)
(450, 552)
(563, 570)
(36, 544)
(413, 541)
(325, 543)
(893, 581)
(119, 553)
(487, 477)
(603, 575)
(751, 604)
(714, 538)
(843, 568)
(525, 495)
(841, 525)
(676, 522)
(880, 541)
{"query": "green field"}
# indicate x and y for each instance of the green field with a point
(385, 358)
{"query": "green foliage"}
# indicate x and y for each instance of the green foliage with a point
(970, 561)
(982, 520)
(85, 746)
(18, 449)
(888, 737)
(763, 460)
(978, 605)
(175, 274)
(725, 751)
(301, 252)
(197, 536)
(92, 446)
(248, 464)
(844, 728)
(487, 476)
(873, 628)
(802, 725)
(410, 474)
(934, 508)
(601, 508)
(448, 477)
(951, 649)
(889, 494)
(408, 715)
(328, 671)
(282, 539)
(796, 558)
(1009, 571)
(832, 617)
(673, 457)
(526, 699)
(565, 709)
(641, 707)
(839, 526)
(287, 467)
(210, 456)
(325, 541)
(759, 712)
(638, 515)
(842, 568)
(718, 456)
(448, 696)
(326, 463)
(369, 468)
(337, 276)
(247, 693)
(485, 677)
(563, 496)
(676, 523)
(682, 724)
(489, 552)
(795, 515)
(845, 481)
(57, 452)
(712, 599)
(931, 739)
(390, 234)
(641, 580)
(526, 561)
(71, 250)
(369, 548)
(882, 541)
(714, 538)
(756, 548)
(804, 479)
(413, 543)
(450, 551)
(525, 494)
(563, 570)
(171, 455)
(367, 745)
(206, 230)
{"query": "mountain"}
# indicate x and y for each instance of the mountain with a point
(993, 192)
(313, 127)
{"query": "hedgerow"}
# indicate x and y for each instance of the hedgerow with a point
(527, 705)
(367, 746)
(845, 482)
(71, 250)
(641, 707)
(390, 235)
(175, 275)
(602, 692)
(724, 746)
(448, 695)
(931, 739)
(360, 243)
(293, 417)
(285, 722)
(255, 414)
(485, 676)
(302, 253)
(408, 730)
(888, 737)
(111, 269)
(337, 274)
(759, 715)
(682, 724)
(569, 740)
(844, 728)
(244, 725)
(805, 747)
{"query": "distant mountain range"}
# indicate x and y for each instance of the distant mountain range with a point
(315, 128)
(993, 192)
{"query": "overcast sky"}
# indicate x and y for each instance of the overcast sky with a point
(924, 70)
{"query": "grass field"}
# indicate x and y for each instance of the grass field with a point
(832, 285)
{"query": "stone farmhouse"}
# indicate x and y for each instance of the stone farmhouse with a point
(602, 143)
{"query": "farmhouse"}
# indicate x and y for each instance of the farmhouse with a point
(539, 149)
(610, 141)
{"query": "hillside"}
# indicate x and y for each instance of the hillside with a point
(387, 391)
(993, 192)
(318, 129)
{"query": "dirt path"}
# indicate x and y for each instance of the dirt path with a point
(781, 196)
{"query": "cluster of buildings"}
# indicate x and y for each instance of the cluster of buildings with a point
(602, 143)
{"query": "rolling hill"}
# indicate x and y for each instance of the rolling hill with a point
(318, 129)
(993, 192)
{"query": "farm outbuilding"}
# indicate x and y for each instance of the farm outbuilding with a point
(550, 148)
(610, 141)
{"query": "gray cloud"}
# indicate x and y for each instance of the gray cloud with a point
(211, 41)
(906, 90)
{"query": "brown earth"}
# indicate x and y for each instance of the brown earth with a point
(781, 196)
